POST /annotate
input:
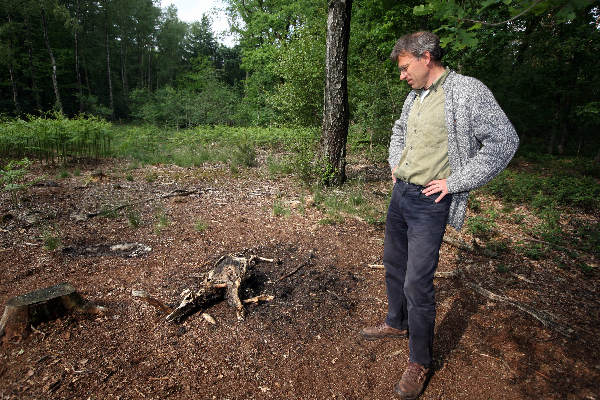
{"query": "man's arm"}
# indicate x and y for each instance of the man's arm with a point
(398, 137)
(490, 126)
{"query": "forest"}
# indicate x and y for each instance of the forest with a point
(132, 61)
(176, 189)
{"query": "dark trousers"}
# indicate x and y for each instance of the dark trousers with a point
(414, 230)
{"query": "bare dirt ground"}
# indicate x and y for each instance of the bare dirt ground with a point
(304, 344)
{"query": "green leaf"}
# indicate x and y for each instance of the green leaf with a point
(475, 27)
(422, 9)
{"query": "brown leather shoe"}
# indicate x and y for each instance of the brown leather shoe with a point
(412, 382)
(383, 331)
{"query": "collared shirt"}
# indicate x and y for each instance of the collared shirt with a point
(425, 156)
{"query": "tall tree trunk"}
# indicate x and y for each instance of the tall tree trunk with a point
(77, 70)
(141, 64)
(52, 61)
(13, 84)
(110, 91)
(34, 89)
(123, 67)
(14, 89)
(335, 108)
(149, 77)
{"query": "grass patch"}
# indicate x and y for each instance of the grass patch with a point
(134, 219)
(162, 221)
(50, 239)
(200, 226)
(279, 208)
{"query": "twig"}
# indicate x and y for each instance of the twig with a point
(438, 274)
(499, 359)
(304, 264)
(257, 299)
(459, 243)
(174, 193)
(252, 258)
(151, 300)
(541, 316)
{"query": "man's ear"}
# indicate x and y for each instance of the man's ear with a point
(427, 57)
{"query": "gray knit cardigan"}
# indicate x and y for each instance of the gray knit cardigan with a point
(481, 139)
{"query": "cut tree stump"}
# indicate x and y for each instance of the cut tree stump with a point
(33, 308)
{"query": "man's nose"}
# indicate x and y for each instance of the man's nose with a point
(402, 75)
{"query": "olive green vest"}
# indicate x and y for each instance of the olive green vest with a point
(425, 155)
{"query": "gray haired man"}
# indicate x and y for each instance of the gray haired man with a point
(452, 137)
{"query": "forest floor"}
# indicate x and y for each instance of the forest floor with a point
(304, 344)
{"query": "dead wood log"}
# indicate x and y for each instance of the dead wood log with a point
(33, 308)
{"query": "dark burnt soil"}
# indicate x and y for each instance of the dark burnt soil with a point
(304, 344)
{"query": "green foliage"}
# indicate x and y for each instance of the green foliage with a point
(185, 107)
(50, 239)
(340, 204)
(461, 20)
(55, 138)
(134, 218)
(481, 226)
(13, 178)
(245, 155)
(200, 226)
(279, 208)
(162, 221)
(540, 191)
(298, 99)
(534, 251)
(502, 268)
(474, 203)
(151, 177)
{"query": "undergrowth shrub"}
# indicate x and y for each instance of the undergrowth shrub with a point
(55, 138)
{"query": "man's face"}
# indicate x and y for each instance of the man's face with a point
(414, 70)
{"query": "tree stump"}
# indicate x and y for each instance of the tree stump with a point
(223, 280)
(33, 308)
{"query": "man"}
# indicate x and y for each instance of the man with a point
(452, 137)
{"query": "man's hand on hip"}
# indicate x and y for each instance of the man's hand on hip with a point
(437, 186)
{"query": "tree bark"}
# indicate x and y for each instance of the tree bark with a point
(110, 91)
(28, 43)
(124, 67)
(335, 108)
(77, 69)
(12, 75)
(21, 312)
(14, 89)
(52, 61)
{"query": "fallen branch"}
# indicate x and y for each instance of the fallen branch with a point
(438, 274)
(459, 244)
(174, 193)
(543, 317)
